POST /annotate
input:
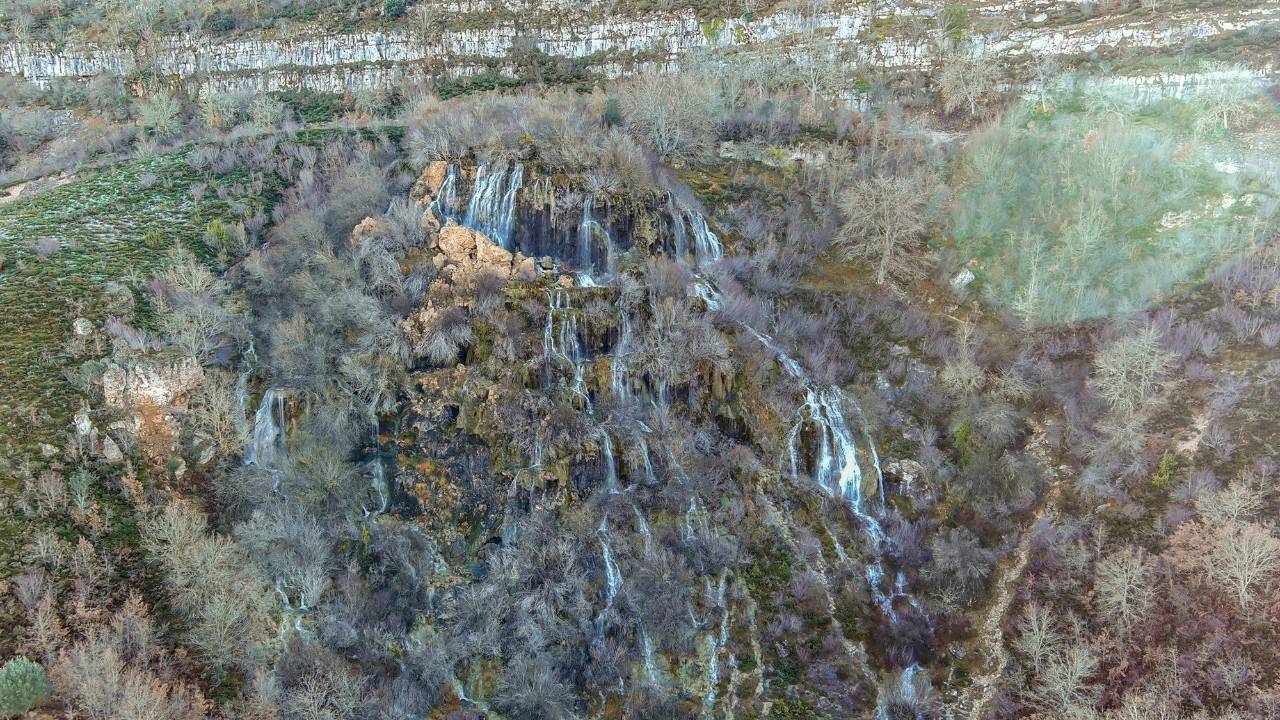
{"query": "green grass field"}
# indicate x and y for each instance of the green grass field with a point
(1099, 207)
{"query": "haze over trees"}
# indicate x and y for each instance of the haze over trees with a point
(767, 384)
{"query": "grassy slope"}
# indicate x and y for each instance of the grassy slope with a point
(109, 228)
(1097, 210)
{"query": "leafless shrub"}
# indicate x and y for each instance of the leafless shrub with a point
(1133, 371)
(672, 114)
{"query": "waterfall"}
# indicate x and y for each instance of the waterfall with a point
(588, 230)
(248, 360)
(266, 445)
(642, 526)
(492, 207)
(836, 470)
(610, 465)
(618, 385)
(679, 235)
(445, 203)
(650, 667)
(706, 244)
(696, 514)
(702, 290)
(908, 690)
(612, 575)
(378, 474)
(688, 221)
(645, 462)
(716, 643)
(560, 340)
(586, 234)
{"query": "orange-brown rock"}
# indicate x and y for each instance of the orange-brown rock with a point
(368, 227)
(429, 182)
(153, 392)
(471, 251)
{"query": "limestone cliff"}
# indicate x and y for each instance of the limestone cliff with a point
(475, 37)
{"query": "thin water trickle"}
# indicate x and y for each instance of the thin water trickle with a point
(618, 385)
(835, 468)
(610, 464)
(560, 341)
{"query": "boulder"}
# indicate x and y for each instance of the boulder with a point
(430, 227)
(152, 393)
(526, 270)
(491, 255)
(429, 182)
(457, 243)
(908, 472)
(111, 451)
(81, 327)
(472, 251)
(368, 227)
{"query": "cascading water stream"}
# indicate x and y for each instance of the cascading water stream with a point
(706, 244)
(618, 385)
(642, 526)
(586, 235)
(837, 471)
(560, 340)
(493, 202)
(248, 360)
(589, 229)
(696, 515)
(686, 222)
(445, 202)
(716, 643)
(612, 575)
(378, 474)
(645, 462)
(266, 444)
(610, 464)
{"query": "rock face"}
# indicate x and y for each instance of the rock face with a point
(612, 41)
(164, 381)
(429, 182)
(468, 251)
(152, 392)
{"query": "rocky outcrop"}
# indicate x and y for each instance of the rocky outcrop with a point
(464, 252)
(151, 392)
(163, 380)
(605, 40)
(429, 182)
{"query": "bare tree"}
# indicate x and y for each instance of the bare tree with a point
(1132, 370)
(966, 80)
(885, 221)
(1245, 559)
(1037, 637)
(673, 114)
(1062, 686)
(1125, 592)
(221, 594)
(816, 61)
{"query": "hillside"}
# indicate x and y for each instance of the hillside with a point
(639, 360)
